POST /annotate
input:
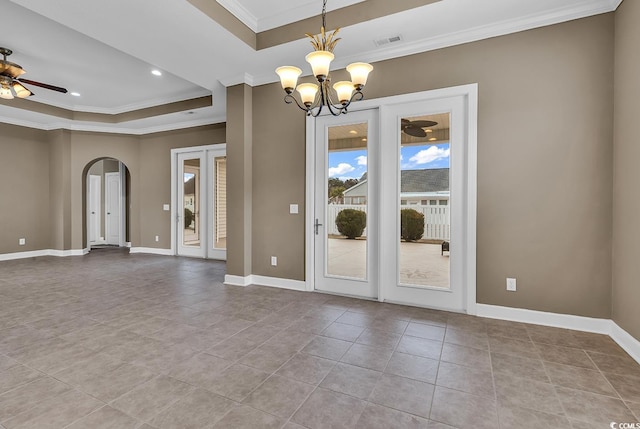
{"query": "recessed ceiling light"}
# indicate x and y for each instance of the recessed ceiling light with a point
(432, 139)
(364, 139)
(75, 94)
(428, 131)
(353, 132)
(156, 72)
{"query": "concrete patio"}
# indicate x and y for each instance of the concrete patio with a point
(420, 263)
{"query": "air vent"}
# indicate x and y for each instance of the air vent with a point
(388, 40)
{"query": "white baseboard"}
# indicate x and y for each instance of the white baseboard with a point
(237, 280)
(43, 252)
(566, 321)
(254, 279)
(626, 341)
(152, 250)
(72, 252)
(278, 282)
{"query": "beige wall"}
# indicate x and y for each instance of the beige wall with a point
(626, 202)
(544, 163)
(42, 186)
(24, 191)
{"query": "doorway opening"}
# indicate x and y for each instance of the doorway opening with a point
(106, 190)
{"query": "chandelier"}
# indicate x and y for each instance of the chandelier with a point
(318, 95)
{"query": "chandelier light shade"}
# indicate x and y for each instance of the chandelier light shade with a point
(314, 97)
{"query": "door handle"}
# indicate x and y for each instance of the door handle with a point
(93, 212)
(316, 225)
(108, 213)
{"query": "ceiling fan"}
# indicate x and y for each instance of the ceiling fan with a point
(11, 83)
(415, 128)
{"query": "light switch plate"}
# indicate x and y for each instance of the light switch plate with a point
(293, 208)
(166, 207)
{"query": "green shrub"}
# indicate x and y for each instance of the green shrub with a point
(188, 217)
(351, 223)
(411, 224)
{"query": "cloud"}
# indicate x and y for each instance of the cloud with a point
(362, 160)
(342, 168)
(427, 156)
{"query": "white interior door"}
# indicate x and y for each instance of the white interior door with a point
(424, 198)
(346, 198)
(113, 208)
(95, 197)
(191, 230)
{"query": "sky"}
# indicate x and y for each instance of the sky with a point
(352, 164)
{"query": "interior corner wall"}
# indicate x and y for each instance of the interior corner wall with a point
(24, 201)
(240, 180)
(59, 189)
(626, 202)
(545, 174)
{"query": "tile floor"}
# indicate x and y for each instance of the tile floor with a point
(112, 340)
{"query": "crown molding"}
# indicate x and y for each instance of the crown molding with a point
(102, 128)
(615, 4)
(529, 22)
(238, 79)
(292, 14)
(239, 11)
(133, 106)
(298, 13)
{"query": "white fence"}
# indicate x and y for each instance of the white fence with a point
(436, 219)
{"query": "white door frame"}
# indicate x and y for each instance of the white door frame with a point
(119, 208)
(91, 194)
(175, 204)
(470, 94)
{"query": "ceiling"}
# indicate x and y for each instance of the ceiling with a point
(105, 50)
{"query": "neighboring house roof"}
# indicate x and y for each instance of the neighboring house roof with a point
(431, 180)
(190, 186)
(417, 181)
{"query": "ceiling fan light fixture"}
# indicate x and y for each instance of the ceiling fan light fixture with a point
(5, 92)
(21, 91)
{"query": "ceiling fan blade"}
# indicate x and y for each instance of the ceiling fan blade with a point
(43, 85)
(423, 124)
(415, 131)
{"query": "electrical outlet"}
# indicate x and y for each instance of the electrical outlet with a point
(511, 284)
(293, 208)
(22, 242)
(274, 261)
(157, 238)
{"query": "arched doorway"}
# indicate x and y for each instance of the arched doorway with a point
(106, 201)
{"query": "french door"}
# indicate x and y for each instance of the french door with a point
(346, 235)
(407, 163)
(200, 198)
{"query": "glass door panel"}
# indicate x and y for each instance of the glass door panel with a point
(190, 202)
(347, 196)
(424, 200)
(345, 227)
